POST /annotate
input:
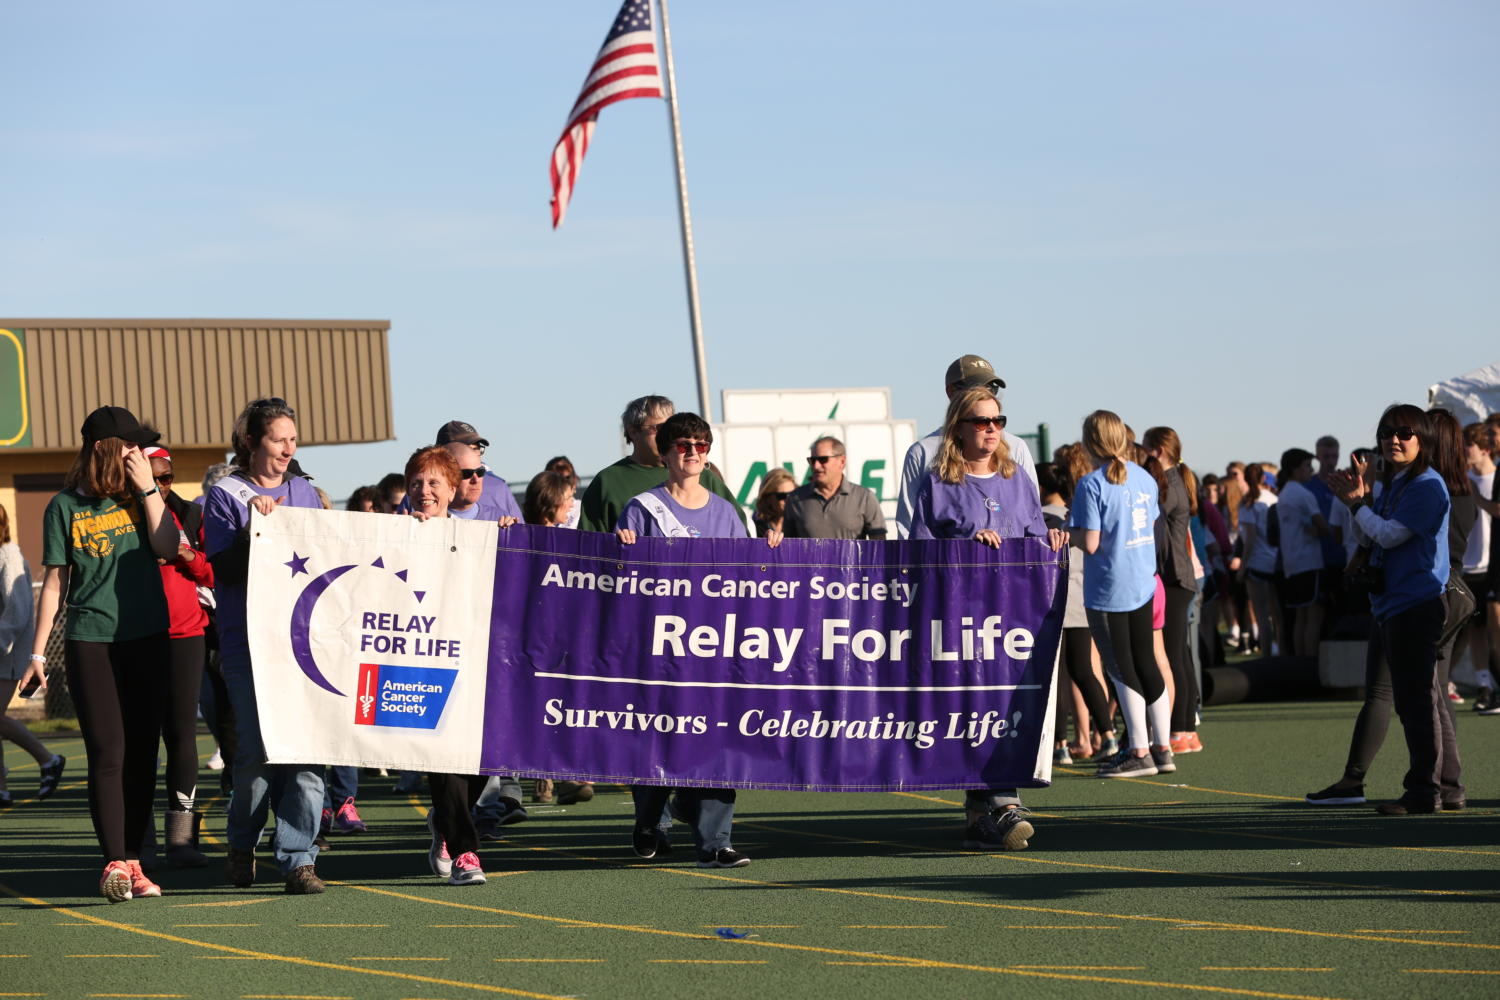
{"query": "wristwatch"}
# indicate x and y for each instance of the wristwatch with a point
(154, 489)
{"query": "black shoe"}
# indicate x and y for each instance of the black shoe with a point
(514, 811)
(51, 775)
(1002, 830)
(1406, 807)
(643, 842)
(240, 867)
(724, 857)
(1485, 703)
(1333, 795)
(1455, 805)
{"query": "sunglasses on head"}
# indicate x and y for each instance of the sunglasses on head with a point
(1402, 433)
(982, 422)
(471, 473)
(820, 459)
(685, 446)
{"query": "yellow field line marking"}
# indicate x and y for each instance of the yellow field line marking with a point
(233, 902)
(706, 961)
(245, 953)
(1061, 927)
(1058, 911)
(112, 956)
(216, 925)
(1095, 968)
(289, 996)
(1195, 788)
(1361, 930)
(343, 925)
(887, 965)
(1262, 968)
(1458, 972)
(876, 956)
(393, 958)
(13, 956)
(554, 961)
(471, 925)
(1023, 859)
(144, 996)
(30, 761)
(753, 927)
(895, 927)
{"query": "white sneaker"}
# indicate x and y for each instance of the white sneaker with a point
(437, 854)
(216, 762)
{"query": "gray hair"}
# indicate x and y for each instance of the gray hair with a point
(838, 446)
(638, 411)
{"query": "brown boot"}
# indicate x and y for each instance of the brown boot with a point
(241, 868)
(304, 881)
(180, 850)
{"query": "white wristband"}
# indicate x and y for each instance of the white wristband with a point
(38, 657)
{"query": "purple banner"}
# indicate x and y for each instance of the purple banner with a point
(819, 665)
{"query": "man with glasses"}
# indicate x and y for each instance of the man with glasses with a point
(614, 486)
(968, 372)
(829, 505)
(482, 495)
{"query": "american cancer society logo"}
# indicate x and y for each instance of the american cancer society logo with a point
(408, 697)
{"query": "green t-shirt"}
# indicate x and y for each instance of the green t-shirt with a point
(615, 485)
(114, 582)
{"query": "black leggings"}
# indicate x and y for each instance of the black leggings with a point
(179, 724)
(1078, 658)
(1134, 647)
(116, 688)
(1175, 637)
(453, 798)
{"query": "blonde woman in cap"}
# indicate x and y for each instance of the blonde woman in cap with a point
(968, 372)
(101, 538)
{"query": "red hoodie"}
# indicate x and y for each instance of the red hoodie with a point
(181, 580)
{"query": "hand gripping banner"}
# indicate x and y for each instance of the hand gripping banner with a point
(827, 665)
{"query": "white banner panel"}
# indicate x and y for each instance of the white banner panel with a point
(369, 635)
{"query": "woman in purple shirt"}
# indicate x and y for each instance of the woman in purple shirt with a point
(683, 507)
(265, 439)
(975, 490)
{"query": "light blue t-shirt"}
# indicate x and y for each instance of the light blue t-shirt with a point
(1121, 575)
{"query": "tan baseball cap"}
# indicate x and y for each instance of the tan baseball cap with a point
(971, 371)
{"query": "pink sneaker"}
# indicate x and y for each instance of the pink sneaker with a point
(114, 885)
(347, 820)
(466, 870)
(437, 854)
(141, 887)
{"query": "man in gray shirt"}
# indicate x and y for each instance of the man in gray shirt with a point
(830, 506)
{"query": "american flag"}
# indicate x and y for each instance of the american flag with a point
(625, 67)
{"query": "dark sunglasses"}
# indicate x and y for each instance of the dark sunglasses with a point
(683, 447)
(982, 422)
(165, 480)
(1402, 433)
(782, 495)
(470, 473)
(820, 459)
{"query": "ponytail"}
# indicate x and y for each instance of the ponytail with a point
(1115, 472)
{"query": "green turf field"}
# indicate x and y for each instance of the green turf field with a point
(1214, 880)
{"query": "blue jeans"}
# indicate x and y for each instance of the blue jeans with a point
(708, 811)
(991, 799)
(340, 783)
(295, 789)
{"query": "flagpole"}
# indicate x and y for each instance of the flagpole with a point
(689, 263)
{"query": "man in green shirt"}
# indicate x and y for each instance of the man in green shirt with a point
(639, 471)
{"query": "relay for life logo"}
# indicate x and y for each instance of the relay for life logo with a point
(384, 616)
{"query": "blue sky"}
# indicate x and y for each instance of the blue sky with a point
(1253, 222)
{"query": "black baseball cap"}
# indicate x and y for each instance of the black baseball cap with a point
(457, 430)
(116, 422)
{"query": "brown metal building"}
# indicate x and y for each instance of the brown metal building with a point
(188, 377)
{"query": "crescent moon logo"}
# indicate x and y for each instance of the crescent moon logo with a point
(302, 619)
